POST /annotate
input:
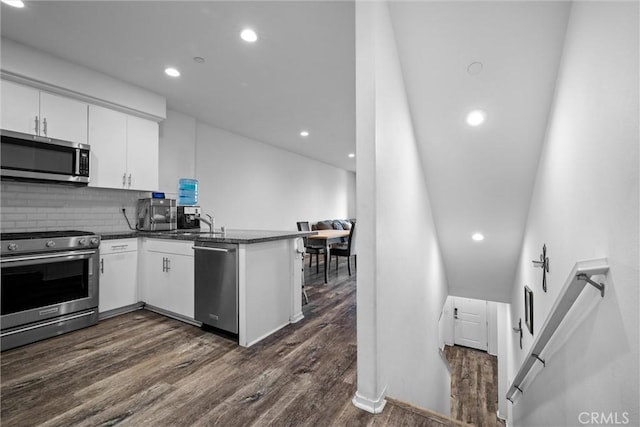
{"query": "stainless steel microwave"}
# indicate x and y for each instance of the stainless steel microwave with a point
(26, 157)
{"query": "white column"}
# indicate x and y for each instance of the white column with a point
(370, 393)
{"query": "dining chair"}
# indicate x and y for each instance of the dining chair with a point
(310, 249)
(347, 250)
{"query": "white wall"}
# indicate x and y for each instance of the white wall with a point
(585, 205)
(20, 61)
(247, 184)
(177, 151)
(447, 325)
(505, 338)
(371, 379)
(492, 327)
(405, 286)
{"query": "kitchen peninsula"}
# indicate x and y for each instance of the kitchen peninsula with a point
(269, 276)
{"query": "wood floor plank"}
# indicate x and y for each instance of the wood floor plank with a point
(143, 369)
(474, 386)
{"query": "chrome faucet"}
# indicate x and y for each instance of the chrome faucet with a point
(210, 222)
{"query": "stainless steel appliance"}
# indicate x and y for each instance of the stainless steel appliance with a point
(156, 214)
(216, 285)
(188, 217)
(49, 284)
(26, 157)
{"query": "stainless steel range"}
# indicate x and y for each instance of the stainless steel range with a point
(49, 284)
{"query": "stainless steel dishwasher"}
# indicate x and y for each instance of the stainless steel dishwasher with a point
(216, 285)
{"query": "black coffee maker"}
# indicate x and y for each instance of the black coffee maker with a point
(188, 217)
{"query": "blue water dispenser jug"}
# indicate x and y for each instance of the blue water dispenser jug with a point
(187, 192)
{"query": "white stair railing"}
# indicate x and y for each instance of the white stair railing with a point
(579, 277)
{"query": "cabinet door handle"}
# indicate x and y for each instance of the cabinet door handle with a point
(102, 266)
(37, 126)
(44, 126)
(164, 264)
(129, 180)
(124, 180)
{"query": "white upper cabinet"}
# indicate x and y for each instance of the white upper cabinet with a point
(20, 108)
(124, 150)
(29, 110)
(142, 153)
(108, 140)
(63, 118)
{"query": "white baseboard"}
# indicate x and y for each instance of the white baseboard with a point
(121, 310)
(173, 315)
(374, 406)
(260, 338)
(296, 318)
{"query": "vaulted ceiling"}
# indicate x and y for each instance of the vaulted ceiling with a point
(501, 57)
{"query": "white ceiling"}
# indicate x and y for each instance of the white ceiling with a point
(480, 179)
(300, 75)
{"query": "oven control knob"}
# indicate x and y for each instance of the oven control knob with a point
(50, 244)
(95, 241)
(12, 246)
(82, 242)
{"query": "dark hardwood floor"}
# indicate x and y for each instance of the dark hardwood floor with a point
(474, 386)
(143, 369)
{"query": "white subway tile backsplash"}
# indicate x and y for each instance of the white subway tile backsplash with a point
(31, 207)
(45, 224)
(8, 216)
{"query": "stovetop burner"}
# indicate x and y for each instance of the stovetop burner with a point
(43, 234)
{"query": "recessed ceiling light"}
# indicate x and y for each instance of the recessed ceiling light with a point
(474, 68)
(351, 155)
(14, 3)
(198, 59)
(476, 118)
(304, 133)
(172, 72)
(477, 237)
(249, 35)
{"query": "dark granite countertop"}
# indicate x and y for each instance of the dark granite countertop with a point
(231, 236)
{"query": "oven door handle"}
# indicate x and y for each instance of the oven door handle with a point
(55, 257)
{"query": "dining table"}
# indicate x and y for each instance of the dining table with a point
(328, 238)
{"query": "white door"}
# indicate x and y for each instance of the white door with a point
(470, 323)
(20, 107)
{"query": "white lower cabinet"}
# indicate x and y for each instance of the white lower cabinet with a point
(118, 274)
(167, 280)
